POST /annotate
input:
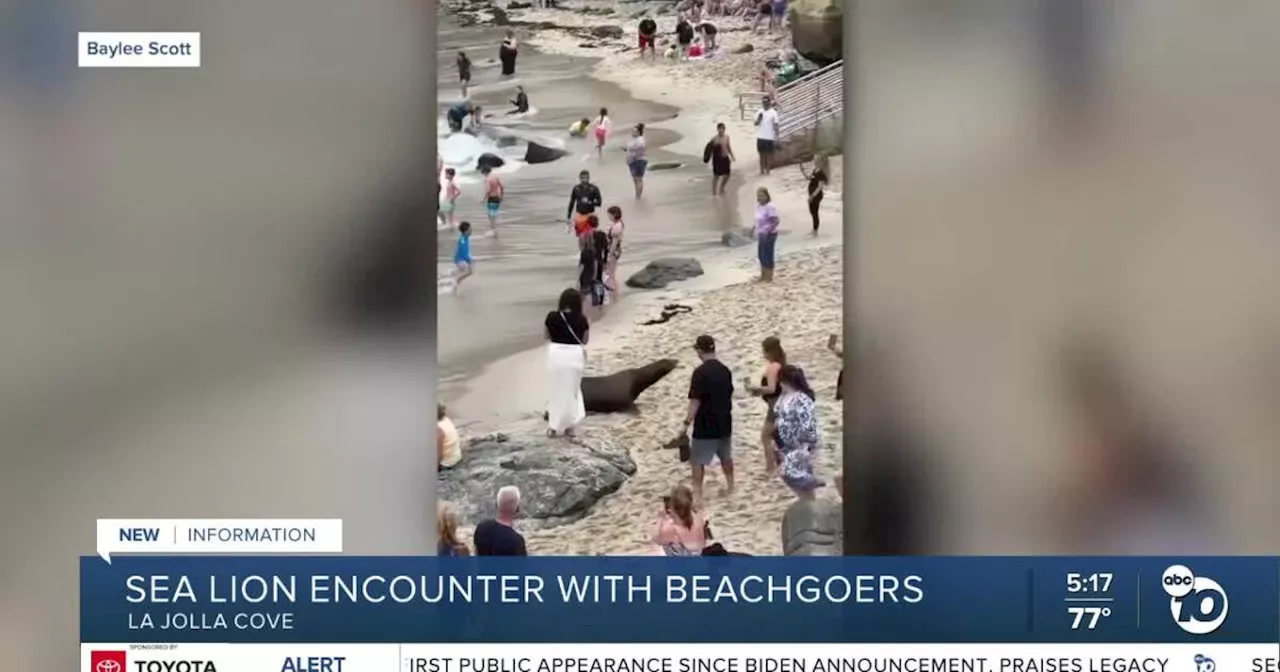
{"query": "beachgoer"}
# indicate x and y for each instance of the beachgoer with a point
(567, 332)
(710, 416)
(684, 36)
(766, 133)
(457, 115)
(439, 182)
(775, 358)
(448, 545)
(616, 230)
(449, 199)
(521, 102)
(681, 528)
(579, 129)
(507, 53)
(600, 239)
(583, 201)
(764, 12)
(719, 152)
(590, 266)
(709, 34)
(637, 161)
(462, 256)
(648, 31)
(497, 535)
(603, 127)
(494, 191)
(464, 72)
(833, 344)
(473, 120)
(766, 230)
(796, 431)
(448, 447)
(817, 182)
(777, 14)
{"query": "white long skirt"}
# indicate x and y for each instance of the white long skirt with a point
(565, 366)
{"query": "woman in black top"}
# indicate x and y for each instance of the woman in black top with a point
(567, 331)
(817, 184)
(507, 54)
(684, 35)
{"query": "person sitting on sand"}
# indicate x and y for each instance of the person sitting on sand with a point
(672, 53)
(710, 416)
(681, 528)
(796, 432)
(448, 446)
(497, 535)
(578, 129)
(521, 102)
(448, 545)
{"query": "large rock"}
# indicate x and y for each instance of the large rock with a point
(813, 528)
(738, 237)
(607, 32)
(559, 480)
(661, 272)
(489, 160)
(536, 153)
(817, 31)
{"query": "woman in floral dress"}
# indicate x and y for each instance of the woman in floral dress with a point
(796, 432)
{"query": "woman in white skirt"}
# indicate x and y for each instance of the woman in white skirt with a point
(567, 330)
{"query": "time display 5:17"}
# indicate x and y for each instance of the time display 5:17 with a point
(1096, 583)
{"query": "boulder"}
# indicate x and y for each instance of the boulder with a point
(738, 237)
(515, 4)
(536, 153)
(661, 272)
(559, 480)
(813, 528)
(665, 165)
(816, 29)
(490, 160)
(500, 17)
(743, 49)
(605, 31)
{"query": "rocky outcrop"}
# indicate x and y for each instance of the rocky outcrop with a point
(489, 160)
(817, 30)
(738, 237)
(661, 272)
(536, 153)
(559, 480)
(813, 528)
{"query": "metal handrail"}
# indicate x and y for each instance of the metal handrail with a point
(811, 100)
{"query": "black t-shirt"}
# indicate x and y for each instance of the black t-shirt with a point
(494, 538)
(648, 27)
(585, 198)
(708, 29)
(816, 181)
(684, 32)
(712, 385)
(559, 327)
(464, 67)
(589, 268)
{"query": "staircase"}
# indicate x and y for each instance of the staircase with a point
(804, 103)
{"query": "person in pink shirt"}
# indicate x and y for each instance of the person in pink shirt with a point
(682, 529)
(766, 230)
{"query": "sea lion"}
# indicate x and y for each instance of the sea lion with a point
(617, 392)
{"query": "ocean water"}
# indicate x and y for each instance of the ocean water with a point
(520, 273)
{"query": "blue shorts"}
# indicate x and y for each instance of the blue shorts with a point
(638, 167)
(492, 206)
(765, 249)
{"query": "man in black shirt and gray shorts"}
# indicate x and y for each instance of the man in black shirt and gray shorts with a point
(711, 416)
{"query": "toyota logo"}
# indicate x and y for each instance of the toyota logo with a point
(107, 666)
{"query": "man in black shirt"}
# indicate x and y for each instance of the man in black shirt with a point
(583, 201)
(497, 536)
(684, 35)
(711, 416)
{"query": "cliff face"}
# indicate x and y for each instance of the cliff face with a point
(817, 29)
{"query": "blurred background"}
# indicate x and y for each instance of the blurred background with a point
(216, 287)
(1064, 278)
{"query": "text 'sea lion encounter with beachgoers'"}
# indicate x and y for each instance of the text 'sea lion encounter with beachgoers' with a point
(639, 278)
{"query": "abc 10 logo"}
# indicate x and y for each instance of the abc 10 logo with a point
(1198, 603)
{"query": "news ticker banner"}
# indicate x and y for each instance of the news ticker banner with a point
(400, 600)
(682, 658)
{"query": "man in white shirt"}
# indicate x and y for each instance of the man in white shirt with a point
(766, 133)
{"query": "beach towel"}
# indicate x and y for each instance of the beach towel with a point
(565, 366)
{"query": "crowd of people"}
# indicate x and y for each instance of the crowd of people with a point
(789, 436)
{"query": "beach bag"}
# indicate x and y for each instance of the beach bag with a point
(575, 338)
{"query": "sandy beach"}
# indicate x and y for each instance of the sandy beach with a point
(802, 307)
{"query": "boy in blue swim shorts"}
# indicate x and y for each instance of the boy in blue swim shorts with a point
(493, 193)
(462, 255)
